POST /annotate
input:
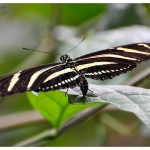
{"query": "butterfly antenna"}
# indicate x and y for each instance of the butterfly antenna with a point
(37, 51)
(76, 45)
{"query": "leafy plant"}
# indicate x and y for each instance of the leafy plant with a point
(59, 27)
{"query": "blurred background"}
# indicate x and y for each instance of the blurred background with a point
(57, 28)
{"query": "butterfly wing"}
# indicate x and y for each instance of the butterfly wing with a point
(19, 81)
(109, 63)
(61, 78)
(41, 78)
(98, 65)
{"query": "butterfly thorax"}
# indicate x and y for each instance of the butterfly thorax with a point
(68, 61)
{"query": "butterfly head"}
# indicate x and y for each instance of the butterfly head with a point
(65, 58)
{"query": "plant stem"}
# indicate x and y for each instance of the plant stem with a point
(139, 77)
(80, 117)
(37, 137)
(53, 133)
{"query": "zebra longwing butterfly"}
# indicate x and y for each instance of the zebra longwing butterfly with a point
(69, 73)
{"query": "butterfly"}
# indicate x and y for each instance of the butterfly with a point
(69, 73)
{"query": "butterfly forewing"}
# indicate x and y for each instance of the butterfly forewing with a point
(109, 63)
(23, 80)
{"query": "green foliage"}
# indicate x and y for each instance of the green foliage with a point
(54, 106)
(30, 11)
(82, 12)
(58, 27)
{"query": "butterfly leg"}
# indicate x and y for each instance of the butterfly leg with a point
(66, 92)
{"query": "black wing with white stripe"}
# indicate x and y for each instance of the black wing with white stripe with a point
(61, 78)
(109, 63)
(99, 65)
(23, 80)
(42, 78)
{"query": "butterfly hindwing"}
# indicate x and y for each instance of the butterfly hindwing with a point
(61, 78)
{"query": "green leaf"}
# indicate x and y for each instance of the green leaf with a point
(128, 98)
(54, 106)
